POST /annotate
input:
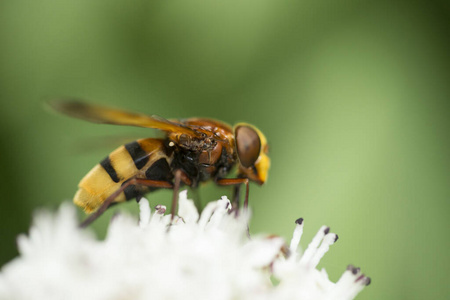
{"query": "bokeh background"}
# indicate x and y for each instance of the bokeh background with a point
(353, 97)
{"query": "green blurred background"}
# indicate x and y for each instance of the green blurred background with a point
(353, 97)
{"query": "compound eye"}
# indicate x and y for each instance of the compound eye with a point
(248, 145)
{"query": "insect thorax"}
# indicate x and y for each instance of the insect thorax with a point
(203, 161)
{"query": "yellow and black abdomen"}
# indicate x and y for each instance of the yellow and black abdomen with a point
(145, 158)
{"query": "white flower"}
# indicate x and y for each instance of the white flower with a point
(207, 256)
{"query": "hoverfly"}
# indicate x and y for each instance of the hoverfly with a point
(194, 150)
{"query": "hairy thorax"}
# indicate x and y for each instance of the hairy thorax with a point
(210, 155)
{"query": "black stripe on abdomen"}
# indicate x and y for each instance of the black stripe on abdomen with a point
(159, 170)
(139, 156)
(131, 192)
(106, 164)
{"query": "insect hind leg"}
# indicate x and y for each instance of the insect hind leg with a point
(110, 200)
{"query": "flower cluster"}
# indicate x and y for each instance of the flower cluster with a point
(193, 256)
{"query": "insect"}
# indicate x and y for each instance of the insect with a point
(193, 150)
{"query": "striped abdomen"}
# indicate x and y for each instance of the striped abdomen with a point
(145, 158)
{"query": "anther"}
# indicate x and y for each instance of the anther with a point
(299, 221)
(353, 269)
(161, 209)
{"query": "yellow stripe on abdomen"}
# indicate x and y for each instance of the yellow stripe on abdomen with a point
(104, 179)
(94, 188)
(129, 161)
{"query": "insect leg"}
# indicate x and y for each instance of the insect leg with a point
(236, 198)
(197, 198)
(236, 182)
(180, 176)
(108, 201)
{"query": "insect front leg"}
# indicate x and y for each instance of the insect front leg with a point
(236, 198)
(237, 183)
(108, 201)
